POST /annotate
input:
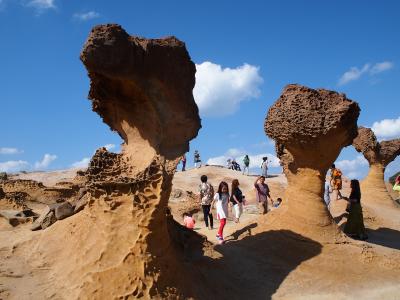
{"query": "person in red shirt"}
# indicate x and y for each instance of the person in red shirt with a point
(188, 221)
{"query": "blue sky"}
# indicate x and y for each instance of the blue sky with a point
(245, 54)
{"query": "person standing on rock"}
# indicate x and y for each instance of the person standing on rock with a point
(264, 167)
(221, 200)
(206, 197)
(246, 164)
(336, 182)
(327, 191)
(237, 199)
(262, 194)
(355, 222)
(197, 160)
(183, 163)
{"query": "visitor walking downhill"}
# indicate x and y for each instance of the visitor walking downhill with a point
(206, 198)
(237, 199)
(262, 194)
(221, 200)
(246, 164)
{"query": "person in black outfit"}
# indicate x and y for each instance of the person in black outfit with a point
(355, 223)
(237, 199)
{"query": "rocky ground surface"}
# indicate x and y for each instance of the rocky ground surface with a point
(304, 269)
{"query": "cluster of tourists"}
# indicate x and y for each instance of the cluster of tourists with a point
(231, 164)
(196, 160)
(354, 226)
(226, 196)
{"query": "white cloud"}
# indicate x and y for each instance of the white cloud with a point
(218, 160)
(42, 5)
(351, 168)
(387, 128)
(13, 165)
(238, 155)
(380, 67)
(219, 91)
(82, 163)
(45, 162)
(90, 15)
(233, 152)
(109, 147)
(6, 150)
(355, 73)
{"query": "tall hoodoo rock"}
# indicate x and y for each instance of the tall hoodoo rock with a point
(310, 127)
(142, 88)
(378, 155)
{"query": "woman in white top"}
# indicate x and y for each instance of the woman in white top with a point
(221, 199)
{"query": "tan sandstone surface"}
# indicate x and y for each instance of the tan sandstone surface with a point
(125, 245)
(378, 200)
(266, 265)
(378, 155)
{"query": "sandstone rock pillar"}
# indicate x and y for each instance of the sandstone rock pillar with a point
(310, 127)
(142, 88)
(378, 155)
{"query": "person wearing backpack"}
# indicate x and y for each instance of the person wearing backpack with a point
(206, 197)
(246, 162)
(336, 182)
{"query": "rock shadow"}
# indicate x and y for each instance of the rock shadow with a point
(383, 236)
(255, 266)
(250, 268)
(235, 236)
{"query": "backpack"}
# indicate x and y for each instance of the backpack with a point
(211, 192)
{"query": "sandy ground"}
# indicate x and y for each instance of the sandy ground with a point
(303, 269)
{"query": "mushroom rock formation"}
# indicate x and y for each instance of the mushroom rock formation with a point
(122, 244)
(310, 127)
(142, 88)
(378, 155)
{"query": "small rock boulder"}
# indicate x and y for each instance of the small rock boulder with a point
(3, 176)
(38, 223)
(177, 193)
(15, 217)
(64, 210)
(48, 220)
